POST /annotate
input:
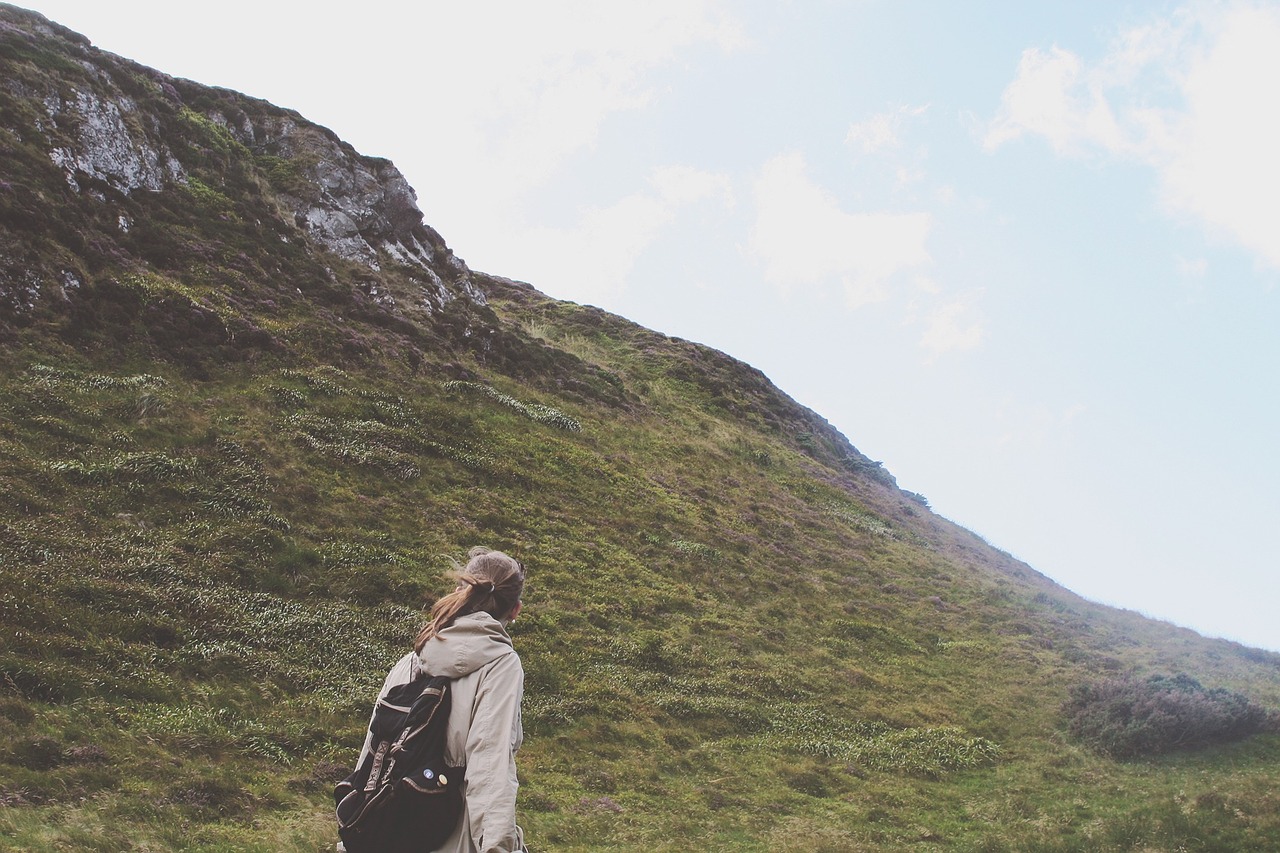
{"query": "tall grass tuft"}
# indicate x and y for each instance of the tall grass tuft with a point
(533, 411)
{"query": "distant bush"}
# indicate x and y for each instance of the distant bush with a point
(917, 497)
(870, 469)
(1126, 718)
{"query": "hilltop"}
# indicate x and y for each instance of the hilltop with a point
(251, 404)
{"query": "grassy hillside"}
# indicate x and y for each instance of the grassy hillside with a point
(234, 463)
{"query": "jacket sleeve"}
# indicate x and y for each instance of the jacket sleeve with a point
(492, 740)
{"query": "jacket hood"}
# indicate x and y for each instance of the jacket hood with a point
(472, 641)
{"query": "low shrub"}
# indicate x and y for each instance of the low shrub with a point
(1126, 718)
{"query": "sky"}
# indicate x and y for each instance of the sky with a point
(1024, 254)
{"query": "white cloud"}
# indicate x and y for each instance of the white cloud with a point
(928, 284)
(882, 135)
(882, 130)
(954, 326)
(906, 175)
(873, 134)
(1223, 167)
(681, 185)
(593, 259)
(1191, 96)
(1053, 97)
(801, 236)
(1191, 267)
(552, 74)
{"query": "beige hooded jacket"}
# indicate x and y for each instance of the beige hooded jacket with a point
(484, 726)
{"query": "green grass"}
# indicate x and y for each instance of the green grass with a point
(190, 588)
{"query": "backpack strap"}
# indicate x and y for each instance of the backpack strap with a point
(375, 769)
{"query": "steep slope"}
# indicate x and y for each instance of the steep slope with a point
(251, 401)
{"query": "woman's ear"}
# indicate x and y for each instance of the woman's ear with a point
(515, 611)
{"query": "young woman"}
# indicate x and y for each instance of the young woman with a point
(466, 639)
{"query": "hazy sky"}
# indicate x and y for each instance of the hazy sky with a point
(1025, 253)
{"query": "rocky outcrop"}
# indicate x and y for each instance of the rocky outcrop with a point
(360, 208)
(101, 145)
(117, 129)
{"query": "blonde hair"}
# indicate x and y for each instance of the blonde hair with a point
(490, 582)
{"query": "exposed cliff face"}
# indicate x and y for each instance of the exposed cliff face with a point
(117, 132)
(360, 208)
(96, 142)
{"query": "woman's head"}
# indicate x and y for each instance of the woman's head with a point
(490, 582)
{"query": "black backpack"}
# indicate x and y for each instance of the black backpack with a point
(403, 797)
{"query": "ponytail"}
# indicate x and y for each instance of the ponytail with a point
(491, 582)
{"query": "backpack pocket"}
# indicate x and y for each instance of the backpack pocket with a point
(429, 802)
